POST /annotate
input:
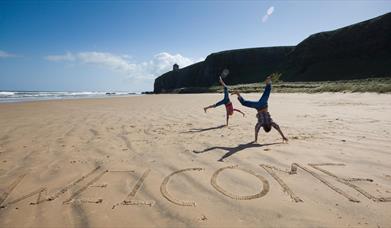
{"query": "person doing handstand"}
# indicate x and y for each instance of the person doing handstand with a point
(264, 119)
(228, 104)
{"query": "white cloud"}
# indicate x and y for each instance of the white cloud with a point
(159, 64)
(56, 58)
(269, 12)
(113, 62)
(163, 62)
(4, 54)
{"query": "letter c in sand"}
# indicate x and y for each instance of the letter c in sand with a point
(163, 188)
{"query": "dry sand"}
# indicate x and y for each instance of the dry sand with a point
(152, 161)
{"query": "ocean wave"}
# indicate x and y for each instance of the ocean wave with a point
(2, 93)
(9, 96)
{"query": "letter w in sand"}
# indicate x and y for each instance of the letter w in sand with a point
(41, 191)
(8, 191)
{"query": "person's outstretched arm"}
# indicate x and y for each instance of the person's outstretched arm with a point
(284, 139)
(257, 127)
(237, 110)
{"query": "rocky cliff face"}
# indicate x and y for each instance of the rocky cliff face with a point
(245, 66)
(361, 50)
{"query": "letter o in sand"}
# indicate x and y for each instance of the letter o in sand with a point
(265, 183)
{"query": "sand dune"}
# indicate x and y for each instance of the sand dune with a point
(159, 160)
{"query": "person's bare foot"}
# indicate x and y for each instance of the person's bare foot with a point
(205, 110)
(268, 80)
(285, 140)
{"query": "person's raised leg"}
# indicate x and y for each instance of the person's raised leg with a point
(208, 107)
(250, 104)
(215, 105)
(226, 94)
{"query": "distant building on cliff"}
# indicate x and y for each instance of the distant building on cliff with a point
(175, 67)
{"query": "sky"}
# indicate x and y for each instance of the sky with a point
(125, 45)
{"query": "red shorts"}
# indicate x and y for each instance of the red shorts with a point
(230, 108)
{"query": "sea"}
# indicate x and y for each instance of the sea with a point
(22, 96)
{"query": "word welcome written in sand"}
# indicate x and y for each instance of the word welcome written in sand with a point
(97, 173)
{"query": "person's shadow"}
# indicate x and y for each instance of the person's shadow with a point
(194, 130)
(233, 150)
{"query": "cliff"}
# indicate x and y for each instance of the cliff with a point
(245, 66)
(361, 50)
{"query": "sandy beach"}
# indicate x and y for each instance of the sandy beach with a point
(160, 161)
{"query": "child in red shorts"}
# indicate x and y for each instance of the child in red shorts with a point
(228, 104)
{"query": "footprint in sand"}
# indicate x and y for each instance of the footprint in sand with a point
(203, 218)
(94, 132)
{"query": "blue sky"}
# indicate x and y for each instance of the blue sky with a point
(123, 46)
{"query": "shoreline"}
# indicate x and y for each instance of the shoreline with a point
(256, 93)
(11, 101)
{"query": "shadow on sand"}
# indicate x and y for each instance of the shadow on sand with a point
(194, 130)
(234, 150)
